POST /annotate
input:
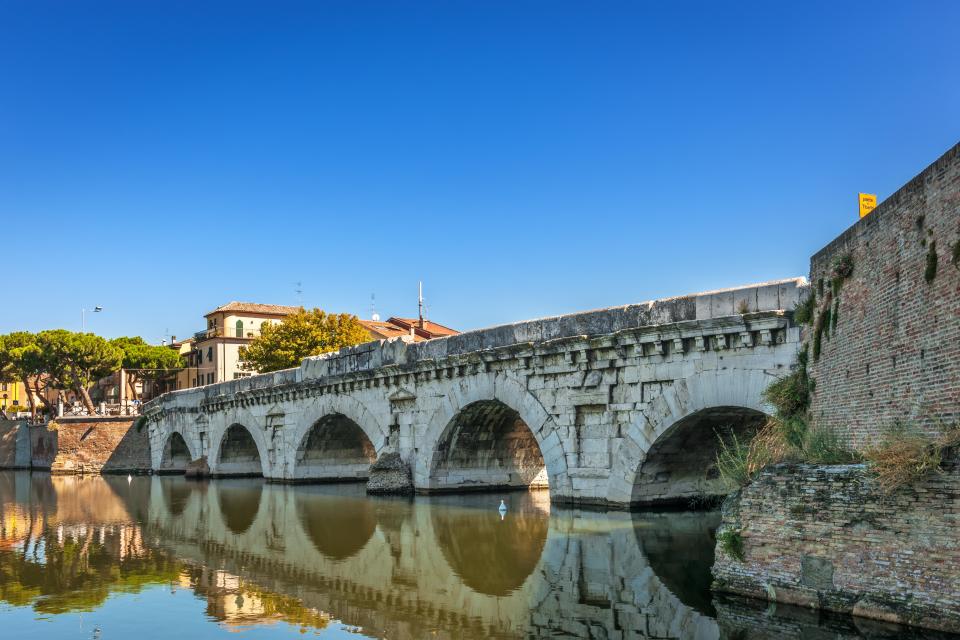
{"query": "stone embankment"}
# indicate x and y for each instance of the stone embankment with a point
(76, 445)
(826, 537)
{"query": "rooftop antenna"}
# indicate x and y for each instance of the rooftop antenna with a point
(299, 292)
(373, 308)
(420, 304)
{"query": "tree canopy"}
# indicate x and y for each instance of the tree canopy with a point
(22, 361)
(147, 362)
(77, 360)
(301, 334)
(67, 360)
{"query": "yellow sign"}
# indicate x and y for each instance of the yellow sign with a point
(868, 202)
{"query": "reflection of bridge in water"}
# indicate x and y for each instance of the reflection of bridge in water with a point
(260, 553)
(407, 569)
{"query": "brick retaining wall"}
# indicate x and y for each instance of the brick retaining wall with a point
(895, 352)
(825, 537)
(91, 445)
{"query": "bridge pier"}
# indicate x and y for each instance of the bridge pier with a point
(619, 407)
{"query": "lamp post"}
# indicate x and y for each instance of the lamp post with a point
(83, 317)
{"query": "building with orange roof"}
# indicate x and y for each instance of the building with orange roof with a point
(213, 355)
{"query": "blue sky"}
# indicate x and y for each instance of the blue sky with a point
(521, 158)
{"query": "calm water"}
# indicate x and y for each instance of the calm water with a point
(104, 557)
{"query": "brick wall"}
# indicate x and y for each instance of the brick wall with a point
(895, 352)
(825, 537)
(107, 445)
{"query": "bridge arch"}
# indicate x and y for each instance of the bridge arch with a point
(674, 441)
(337, 438)
(506, 411)
(239, 451)
(176, 453)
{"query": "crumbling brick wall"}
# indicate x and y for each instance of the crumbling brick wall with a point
(826, 537)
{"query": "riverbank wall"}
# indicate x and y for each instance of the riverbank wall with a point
(76, 445)
(826, 537)
(14, 444)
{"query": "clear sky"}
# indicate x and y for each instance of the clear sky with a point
(521, 158)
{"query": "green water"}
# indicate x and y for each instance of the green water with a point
(162, 557)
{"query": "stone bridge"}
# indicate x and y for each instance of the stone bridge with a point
(619, 406)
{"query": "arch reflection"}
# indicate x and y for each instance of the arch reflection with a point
(492, 556)
(338, 526)
(679, 547)
(239, 503)
(176, 494)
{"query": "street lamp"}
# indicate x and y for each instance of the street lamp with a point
(83, 317)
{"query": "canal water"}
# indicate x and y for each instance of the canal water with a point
(163, 557)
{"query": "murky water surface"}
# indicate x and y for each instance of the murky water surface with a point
(104, 557)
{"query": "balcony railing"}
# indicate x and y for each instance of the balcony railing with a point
(226, 332)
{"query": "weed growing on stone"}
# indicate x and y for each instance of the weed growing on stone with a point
(743, 307)
(955, 258)
(732, 461)
(732, 544)
(790, 395)
(804, 311)
(825, 446)
(906, 453)
(787, 436)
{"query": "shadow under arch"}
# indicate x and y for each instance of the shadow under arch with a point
(239, 502)
(492, 556)
(335, 448)
(487, 445)
(176, 454)
(238, 454)
(680, 468)
(338, 526)
(680, 549)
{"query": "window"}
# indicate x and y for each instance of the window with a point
(237, 375)
(209, 378)
(239, 328)
(3, 386)
(199, 357)
(210, 354)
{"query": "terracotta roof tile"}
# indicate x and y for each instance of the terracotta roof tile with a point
(255, 307)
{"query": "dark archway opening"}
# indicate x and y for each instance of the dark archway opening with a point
(680, 469)
(238, 454)
(487, 445)
(176, 455)
(335, 449)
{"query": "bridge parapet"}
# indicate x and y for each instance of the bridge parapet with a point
(779, 296)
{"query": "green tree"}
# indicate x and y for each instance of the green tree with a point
(77, 360)
(146, 362)
(299, 335)
(21, 361)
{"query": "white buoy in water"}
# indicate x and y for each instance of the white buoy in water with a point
(129, 478)
(503, 507)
